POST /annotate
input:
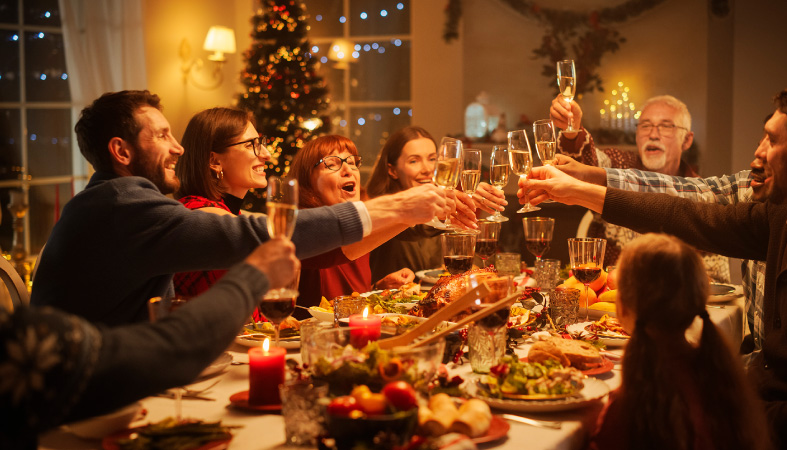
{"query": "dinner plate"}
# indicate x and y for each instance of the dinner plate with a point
(325, 316)
(112, 442)
(723, 292)
(593, 391)
(606, 366)
(430, 276)
(609, 341)
(498, 429)
(256, 341)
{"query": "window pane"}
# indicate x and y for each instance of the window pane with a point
(42, 12)
(10, 145)
(334, 79)
(9, 66)
(324, 18)
(379, 17)
(44, 200)
(45, 67)
(370, 127)
(382, 72)
(49, 142)
(9, 12)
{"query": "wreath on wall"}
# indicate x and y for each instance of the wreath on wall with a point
(587, 34)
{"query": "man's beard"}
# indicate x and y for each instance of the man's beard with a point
(143, 166)
(655, 163)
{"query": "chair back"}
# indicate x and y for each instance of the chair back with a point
(584, 224)
(16, 286)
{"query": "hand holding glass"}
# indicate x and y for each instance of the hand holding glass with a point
(566, 82)
(521, 160)
(546, 143)
(446, 170)
(498, 175)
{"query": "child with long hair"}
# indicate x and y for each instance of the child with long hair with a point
(683, 387)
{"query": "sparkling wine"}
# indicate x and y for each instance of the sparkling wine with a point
(546, 151)
(498, 175)
(281, 219)
(446, 172)
(277, 309)
(470, 180)
(485, 248)
(567, 87)
(586, 274)
(458, 264)
(537, 247)
(521, 161)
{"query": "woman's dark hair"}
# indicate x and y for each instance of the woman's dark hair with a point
(110, 116)
(212, 130)
(673, 391)
(380, 182)
(304, 162)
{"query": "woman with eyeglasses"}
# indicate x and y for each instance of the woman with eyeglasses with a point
(225, 158)
(327, 170)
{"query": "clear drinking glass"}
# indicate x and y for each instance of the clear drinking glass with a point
(538, 235)
(508, 263)
(487, 337)
(521, 160)
(276, 305)
(546, 143)
(486, 241)
(587, 259)
(282, 206)
(564, 306)
(498, 175)
(303, 405)
(566, 82)
(458, 251)
(446, 171)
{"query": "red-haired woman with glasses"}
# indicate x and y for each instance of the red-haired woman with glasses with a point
(226, 157)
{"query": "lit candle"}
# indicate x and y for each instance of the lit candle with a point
(266, 373)
(364, 328)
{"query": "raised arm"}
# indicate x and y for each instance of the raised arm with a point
(725, 190)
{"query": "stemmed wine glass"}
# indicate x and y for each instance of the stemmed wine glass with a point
(158, 308)
(566, 82)
(282, 205)
(458, 251)
(471, 172)
(546, 144)
(498, 175)
(587, 258)
(538, 235)
(521, 159)
(486, 241)
(446, 171)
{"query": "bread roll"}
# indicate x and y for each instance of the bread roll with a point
(440, 417)
(474, 418)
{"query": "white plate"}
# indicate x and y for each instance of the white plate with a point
(608, 341)
(322, 315)
(429, 276)
(217, 366)
(247, 341)
(723, 292)
(346, 320)
(530, 282)
(594, 390)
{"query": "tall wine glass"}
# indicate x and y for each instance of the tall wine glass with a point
(486, 241)
(282, 205)
(458, 251)
(521, 159)
(546, 144)
(446, 171)
(566, 82)
(158, 308)
(538, 235)
(471, 170)
(587, 258)
(498, 175)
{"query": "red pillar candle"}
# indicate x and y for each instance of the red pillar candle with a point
(364, 328)
(266, 373)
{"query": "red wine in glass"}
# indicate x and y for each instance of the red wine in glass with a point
(458, 264)
(277, 305)
(586, 275)
(537, 247)
(485, 248)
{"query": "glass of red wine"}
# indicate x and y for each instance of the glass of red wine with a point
(276, 305)
(587, 259)
(486, 240)
(458, 251)
(538, 235)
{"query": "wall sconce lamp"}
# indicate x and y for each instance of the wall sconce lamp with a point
(341, 52)
(220, 40)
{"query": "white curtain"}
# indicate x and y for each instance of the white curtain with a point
(105, 52)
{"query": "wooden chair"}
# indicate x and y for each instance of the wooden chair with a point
(16, 286)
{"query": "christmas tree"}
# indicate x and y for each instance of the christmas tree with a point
(288, 98)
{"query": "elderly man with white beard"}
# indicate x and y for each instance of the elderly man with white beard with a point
(663, 135)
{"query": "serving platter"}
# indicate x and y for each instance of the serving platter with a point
(429, 276)
(609, 341)
(594, 390)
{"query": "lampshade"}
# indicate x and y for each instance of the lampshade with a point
(219, 40)
(341, 50)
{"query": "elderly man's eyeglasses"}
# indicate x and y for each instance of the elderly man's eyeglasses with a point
(665, 129)
(256, 144)
(334, 163)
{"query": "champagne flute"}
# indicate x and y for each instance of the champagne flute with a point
(498, 175)
(486, 241)
(587, 258)
(521, 159)
(446, 170)
(458, 251)
(566, 82)
(282, 206)
(546, 144)
(471, 170)
(538, 235)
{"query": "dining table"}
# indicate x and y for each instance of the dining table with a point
(265, 430)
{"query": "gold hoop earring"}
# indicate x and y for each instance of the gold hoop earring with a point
(220, 174)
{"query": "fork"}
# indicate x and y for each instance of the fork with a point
(533, 422)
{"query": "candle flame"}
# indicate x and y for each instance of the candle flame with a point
(366, 312)
(266, 344)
